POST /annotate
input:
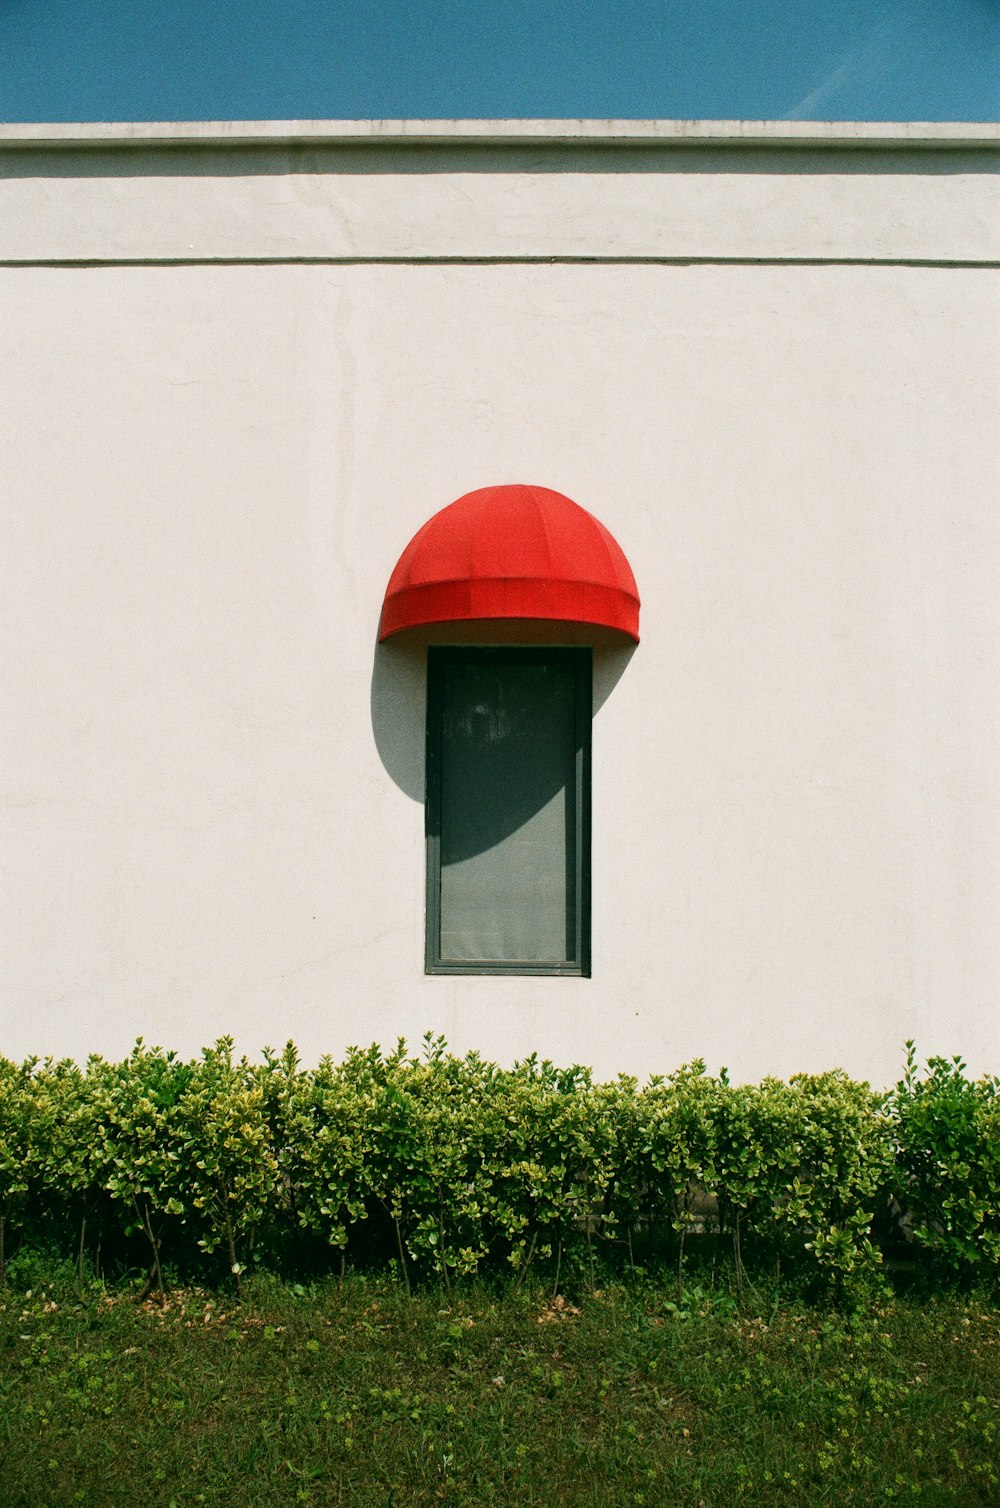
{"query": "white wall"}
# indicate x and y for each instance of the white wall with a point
(211, 779)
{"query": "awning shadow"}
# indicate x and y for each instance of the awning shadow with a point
(399, 682)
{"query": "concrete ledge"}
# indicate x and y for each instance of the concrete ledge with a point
(841, 135)
(299, 191)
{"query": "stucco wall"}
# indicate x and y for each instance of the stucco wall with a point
(777, 389)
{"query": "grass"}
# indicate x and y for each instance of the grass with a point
(361, 1396)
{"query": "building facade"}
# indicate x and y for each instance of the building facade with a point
(243, 366)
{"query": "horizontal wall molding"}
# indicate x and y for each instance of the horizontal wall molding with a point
(98, 263)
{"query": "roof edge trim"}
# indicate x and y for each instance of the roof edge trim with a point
(841, 135)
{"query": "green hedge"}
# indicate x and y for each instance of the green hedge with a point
(453, 1166)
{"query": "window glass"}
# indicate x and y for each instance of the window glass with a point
(508, 809)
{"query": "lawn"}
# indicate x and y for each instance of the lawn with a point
(358, 1395)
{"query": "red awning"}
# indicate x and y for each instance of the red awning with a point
(512, 552)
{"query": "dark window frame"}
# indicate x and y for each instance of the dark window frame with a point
(580, 661)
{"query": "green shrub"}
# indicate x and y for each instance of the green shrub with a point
(143, 1141)
(317, 1127)
(67, 1160)
(16, 1104)
(947, 1163)
(452, 1166)
(669, 1158)
(831, 1171)
(227, 1170)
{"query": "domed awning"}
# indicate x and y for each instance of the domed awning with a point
(512, 552)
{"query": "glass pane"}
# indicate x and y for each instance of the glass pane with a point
(508, 812)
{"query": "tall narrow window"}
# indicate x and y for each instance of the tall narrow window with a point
(508, 811)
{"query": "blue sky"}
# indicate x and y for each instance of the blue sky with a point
(296, 59)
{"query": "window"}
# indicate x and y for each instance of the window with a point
(508, 811)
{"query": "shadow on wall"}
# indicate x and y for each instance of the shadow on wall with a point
(203, 155)
(399, 682)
